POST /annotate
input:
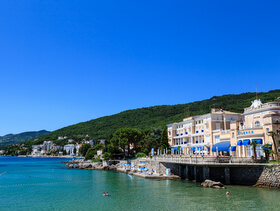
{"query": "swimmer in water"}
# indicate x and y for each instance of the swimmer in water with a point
(107, 194)
(104, 194)
(227, 193)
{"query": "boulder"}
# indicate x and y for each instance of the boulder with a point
(212, 184)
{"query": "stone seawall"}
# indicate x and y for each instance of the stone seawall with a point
(235, 174)
(270, 177)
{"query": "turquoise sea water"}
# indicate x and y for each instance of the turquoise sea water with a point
(44, 184)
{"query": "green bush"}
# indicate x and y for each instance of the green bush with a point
(84, 148)
(140, 155)
(97, 159)
(90, 154)
(107, 156)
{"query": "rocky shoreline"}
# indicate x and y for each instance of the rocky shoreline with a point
(88, 165)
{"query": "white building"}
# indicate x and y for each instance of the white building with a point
(69, 148)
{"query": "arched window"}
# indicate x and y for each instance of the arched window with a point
(257, 124)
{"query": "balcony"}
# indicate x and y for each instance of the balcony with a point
(249, 128)
(225, 131)
(262, 106)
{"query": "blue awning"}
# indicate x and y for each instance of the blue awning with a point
(232, 148)
(246, 142)
(259, 141)
(175, 149)
(193, 149)
(222, 146)
(239, 143)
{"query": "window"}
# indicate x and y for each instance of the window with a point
(257, 124)
(267, 130)
(232, 134)
(217, 126)
(207, 127)
(217, 139)
(249, 151)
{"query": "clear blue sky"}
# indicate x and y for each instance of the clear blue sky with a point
(64, 62)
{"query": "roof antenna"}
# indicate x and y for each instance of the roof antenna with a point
(256, 92)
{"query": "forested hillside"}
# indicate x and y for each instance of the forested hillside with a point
(157, 116)
(17, 138)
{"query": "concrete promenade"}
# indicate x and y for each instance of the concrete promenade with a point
(211, 161)
(228, 170)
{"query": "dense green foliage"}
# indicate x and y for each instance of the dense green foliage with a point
(107, 156)
(126, 136)
(129, 142)
(164, 140)
(158, 116)
(90, 153)
(140, 155)
(17, 138)
(150, 139)
(152, 117)
(83, 149)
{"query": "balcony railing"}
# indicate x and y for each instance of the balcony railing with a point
(225, 131)
(265, 105)
(249, 128)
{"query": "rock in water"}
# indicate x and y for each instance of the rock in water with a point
(212, 184)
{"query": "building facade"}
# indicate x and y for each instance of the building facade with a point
(227, 133)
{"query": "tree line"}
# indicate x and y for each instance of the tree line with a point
(129, 143)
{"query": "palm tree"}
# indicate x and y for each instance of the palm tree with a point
(267, 151)
(254, 144)
(273, 135)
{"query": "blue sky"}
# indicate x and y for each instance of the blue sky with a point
(64, 62)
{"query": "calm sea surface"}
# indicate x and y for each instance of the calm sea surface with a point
(44, 184)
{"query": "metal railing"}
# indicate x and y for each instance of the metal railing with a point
(202, 159)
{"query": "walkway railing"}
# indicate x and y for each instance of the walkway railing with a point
(201, 159)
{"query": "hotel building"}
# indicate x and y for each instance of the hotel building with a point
(227, 133)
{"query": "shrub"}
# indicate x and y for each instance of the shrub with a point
(84, 148)
(90, 154)
(107, 156)
(140, 155)
(97, 159)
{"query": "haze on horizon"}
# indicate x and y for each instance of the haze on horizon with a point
(64, 62)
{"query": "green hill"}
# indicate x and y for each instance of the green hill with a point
(156, 116)
(17, 138)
